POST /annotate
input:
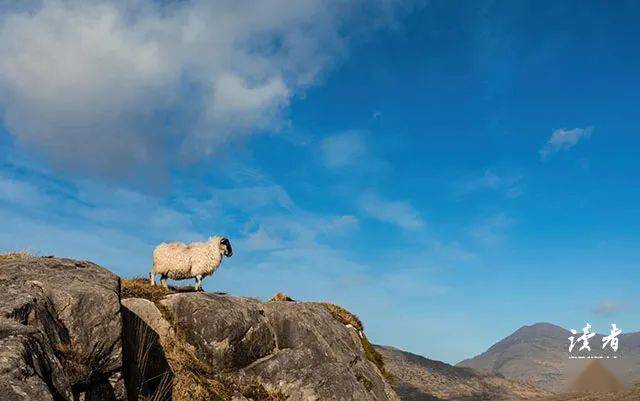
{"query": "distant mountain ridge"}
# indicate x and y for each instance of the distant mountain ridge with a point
(421, 379)
(539, 354)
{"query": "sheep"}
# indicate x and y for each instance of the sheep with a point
(180, 261)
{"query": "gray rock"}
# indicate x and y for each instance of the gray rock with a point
(295, 349)
(66, 336)
(228, 333)
(29, 369)
(149, 313)
(69, 313)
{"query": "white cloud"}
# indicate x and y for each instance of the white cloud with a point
(491, 231)
(507, 183)
(113, 86)
(345, 149)
(352, 151)
(610, 307)
(397, 212)
(254, 197)
(563, 139)
(18, 193)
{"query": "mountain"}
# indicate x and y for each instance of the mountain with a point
(539, 354)
(420, 379)
(73, 330)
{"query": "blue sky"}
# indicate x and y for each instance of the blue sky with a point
(450, 171)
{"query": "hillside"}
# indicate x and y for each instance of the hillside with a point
(422, 379)
(633, 394)
(539, 354)
(72, 330)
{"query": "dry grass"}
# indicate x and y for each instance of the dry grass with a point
(344, 316)
(282, 297)
(162, 392)
(196, 381)
(632, 394)
(76, 367)
(347, 318)
(141, 288)
(15, 256)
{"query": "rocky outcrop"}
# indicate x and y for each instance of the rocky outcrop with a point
(69, 332)
(270, 351)
(60, 329)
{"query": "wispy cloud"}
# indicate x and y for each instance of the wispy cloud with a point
(491, 231)
(353, 150)
(507, 183)
(344, 149)
(563, 139)
(397, 212)
(610, 307)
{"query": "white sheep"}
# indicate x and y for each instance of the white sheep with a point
(180, 261)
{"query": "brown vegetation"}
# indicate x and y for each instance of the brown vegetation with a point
(282, 297)
(15, 256)
(141, 288)
(631, 395)
(347, 318)
(196, 381)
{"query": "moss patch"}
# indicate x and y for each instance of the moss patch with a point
(345, 317)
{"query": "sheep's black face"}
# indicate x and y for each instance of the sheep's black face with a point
(226, 246)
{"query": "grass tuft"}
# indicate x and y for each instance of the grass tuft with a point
(15, 256)
(282, 297)
(141, 288)
(195, 381)
(347, 318)
(344, 316)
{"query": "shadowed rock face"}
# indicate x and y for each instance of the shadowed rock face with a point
(422, 379)
(296, 350)
(59, 329)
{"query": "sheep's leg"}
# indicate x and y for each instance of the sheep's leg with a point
(152, 279)
(198, 283)
(163, 280)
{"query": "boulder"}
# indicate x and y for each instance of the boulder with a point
(260, 351)
(61, 327)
